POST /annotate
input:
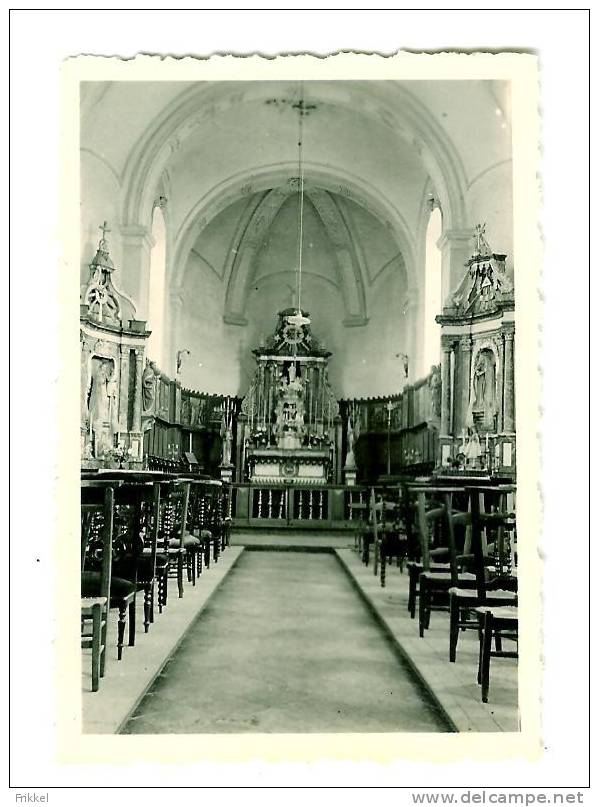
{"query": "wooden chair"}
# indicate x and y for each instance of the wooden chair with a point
(492, 561)
(127, 547)
(151, 564)
(174, 501)
(434, 584)
(216, 520)
(357, 514)
(96, 497)
(496, 622)
(394, 533)
(414, 564)
(226, 504)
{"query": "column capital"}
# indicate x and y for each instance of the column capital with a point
(455, 238)
(137, 235)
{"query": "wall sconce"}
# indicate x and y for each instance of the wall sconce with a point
(180, 354)
(406, 362)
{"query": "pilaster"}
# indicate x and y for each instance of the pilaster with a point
(135, 276)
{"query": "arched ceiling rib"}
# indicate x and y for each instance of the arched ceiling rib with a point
(251, 232)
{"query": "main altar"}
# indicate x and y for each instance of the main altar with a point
(289, 426)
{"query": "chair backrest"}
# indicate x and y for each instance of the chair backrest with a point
(97, 520)
(430, 506)
(173, 508)
(455, 519)
(493, 534)
(408, 521)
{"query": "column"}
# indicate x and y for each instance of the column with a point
(124, 389)
(509, 419)
(499, 343)
(239, 448)
(338, 477)
(135, 277)
(414, 319)
(85, 371)
(445, 387)
(462, 398)
(137, 400)
(456, 248)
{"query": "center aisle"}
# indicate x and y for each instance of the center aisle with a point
(285, 645)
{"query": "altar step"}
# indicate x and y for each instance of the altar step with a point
(311, 541)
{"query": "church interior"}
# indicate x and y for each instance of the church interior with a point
(298, 432)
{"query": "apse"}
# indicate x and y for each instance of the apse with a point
(240, 273)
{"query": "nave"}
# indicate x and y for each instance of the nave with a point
(302, 654)
(298, 330)
(295, 631)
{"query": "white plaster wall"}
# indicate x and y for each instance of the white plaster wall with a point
(100, 191)
(490, 201)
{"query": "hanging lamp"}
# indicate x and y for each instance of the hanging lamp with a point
(298, 319)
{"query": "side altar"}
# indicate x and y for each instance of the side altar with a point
(478, 418)
(289, 429)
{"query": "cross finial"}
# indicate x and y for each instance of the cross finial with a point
(480, 242)
(104, 228)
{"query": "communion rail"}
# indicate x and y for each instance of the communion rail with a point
(296, 506)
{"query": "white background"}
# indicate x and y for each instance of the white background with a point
(40, 40)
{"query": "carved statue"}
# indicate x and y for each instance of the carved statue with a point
(350, 461)
(103, 417)
(482, 391)
(480, 381)
(148, 386)
(473, 449)
(434, 384)
(227, 447)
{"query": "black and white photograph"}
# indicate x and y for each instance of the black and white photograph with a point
(298, 444)
(297, 405)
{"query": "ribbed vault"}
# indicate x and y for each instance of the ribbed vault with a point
(255, 222)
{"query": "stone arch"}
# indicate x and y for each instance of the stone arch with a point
(257, 220)
(388, 102)
(242, 252)
(316, 177)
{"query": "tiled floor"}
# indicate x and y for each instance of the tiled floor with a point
(271, 619)
(126, 681)
(453, 684)
(286, 645)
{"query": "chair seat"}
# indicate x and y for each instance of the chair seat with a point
(119, 588)
(161, 558)
(434, 567)
(499, 612)
(444, 576)
(87, 603)
(144, 568)
(189, 541)
(498, 594)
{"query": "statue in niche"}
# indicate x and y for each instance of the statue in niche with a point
(434, 384)
(480, 381)
(483, 407)
(186, 412)
(103, 416)
(352, 435)
(148, 386)
(227, 446)
(472, 450)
